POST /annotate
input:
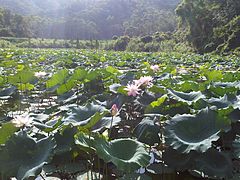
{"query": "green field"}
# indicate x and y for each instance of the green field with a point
(102, 114)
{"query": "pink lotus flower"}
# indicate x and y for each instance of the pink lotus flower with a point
(144, 81)
(114, 110)
(132, 89)
(155, 68)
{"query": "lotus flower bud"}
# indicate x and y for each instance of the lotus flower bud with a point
(114, 110)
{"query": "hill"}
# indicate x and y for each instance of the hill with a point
(95, 19)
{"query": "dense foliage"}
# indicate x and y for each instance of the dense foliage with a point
(13, 25)
(93, 114)
(95, 19)
(210, 24)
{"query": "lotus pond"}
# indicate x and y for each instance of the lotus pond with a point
(72, 114)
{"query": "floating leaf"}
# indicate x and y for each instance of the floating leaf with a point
(188, 98)
(65, 140)
(147, 132)
(224, 102)
(194, 132)
(24, 77)
(214, 75)
(6, 131)
(6, 93)
(25, 87)
(105, 122)
(112, 70)
(79, 74)
(86, 116)
(177, 160)
(25, 156)
(57, 79)
(127, 154)
(214, 164)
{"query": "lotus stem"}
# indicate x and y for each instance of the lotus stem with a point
(106, 171)
(110, 131)
(99, 168)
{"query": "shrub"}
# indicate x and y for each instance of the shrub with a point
(121, 43)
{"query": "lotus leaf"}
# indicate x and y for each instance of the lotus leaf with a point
(86, 116)
(188, 98)
(177, 160)
(147, 132)
(194, 132)
(127, 154)
(25, 156)
(214, 164)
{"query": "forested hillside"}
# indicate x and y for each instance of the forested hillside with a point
(13, 25)
(201, 25)
(96, 19)
(210, 24)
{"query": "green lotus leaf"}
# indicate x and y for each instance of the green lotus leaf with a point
(215, 75)
(25, 87)
(66, 87)
(85, 116)
(157, 89)
(188, 98)
(194, 132)
(8, 91)
(235, 84)
(165, 76)
(105, 122)
(65, 140)
(236, 145)
(154, 104)
(1, 80)
(24, 77)
(79, 74)
(70, 167)
(57, 79)
(114, 88)
(187, 86)
(147, 132)
(23, 157)
(6, 131)
(146, 98)
(85, 142)
(221, 91)
(214, 164)
(113, 70)
(177, 160)
(93, 74)
(126, 154)
(225, 101)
